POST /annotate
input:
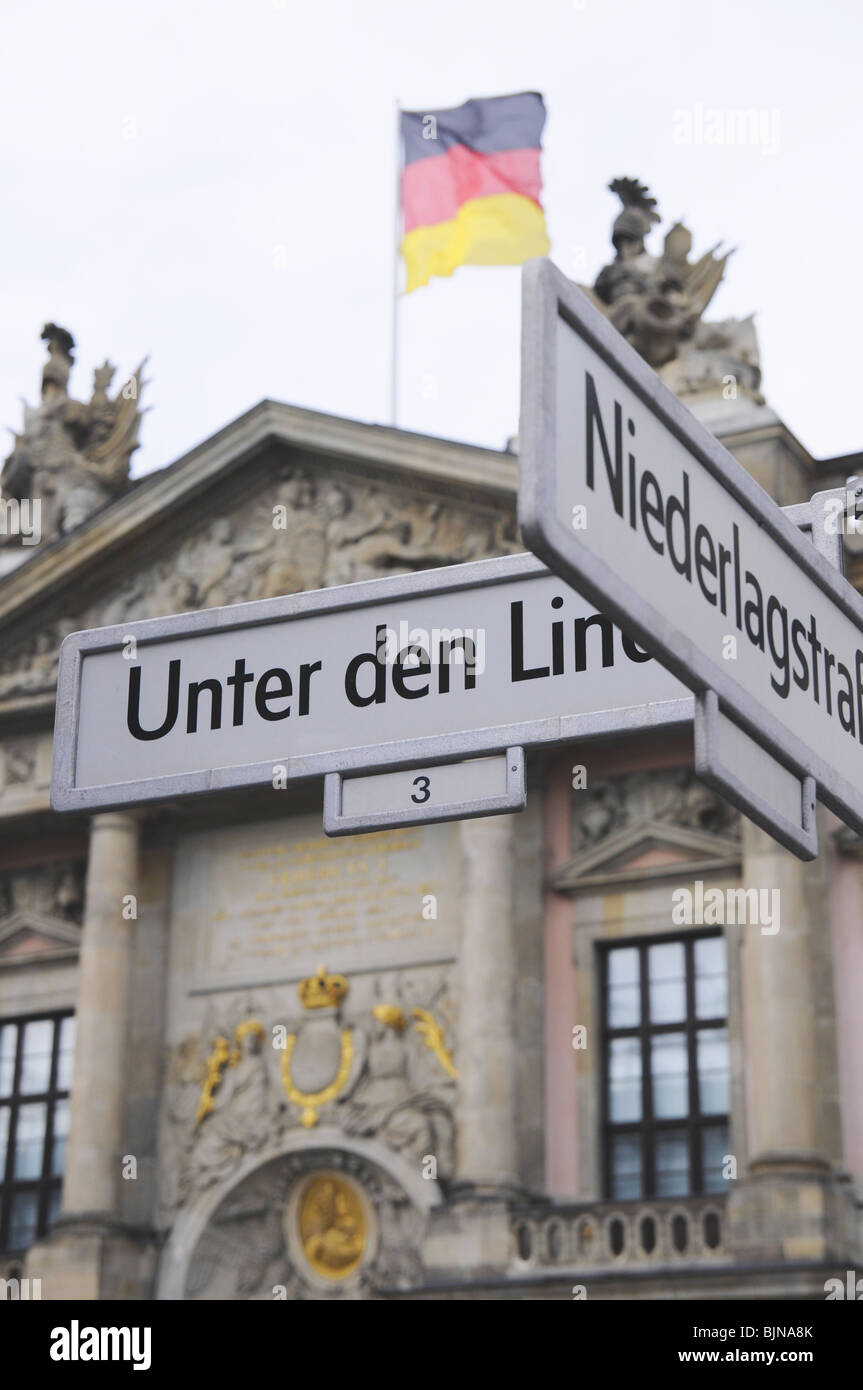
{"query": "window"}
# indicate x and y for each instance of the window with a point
(36, 1056)
(665, 1066)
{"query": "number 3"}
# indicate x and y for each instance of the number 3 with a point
(423, 784)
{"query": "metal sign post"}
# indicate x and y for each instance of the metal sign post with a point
(633, 502)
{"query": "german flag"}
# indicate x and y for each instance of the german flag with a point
(470, 186)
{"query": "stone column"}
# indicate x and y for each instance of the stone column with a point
(487, 1153)
(561, 996)
(788, 1205)
(98, 1087)
(847, 974)
(779, 1008)
(90, 1254)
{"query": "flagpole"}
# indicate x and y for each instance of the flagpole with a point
(394, 379)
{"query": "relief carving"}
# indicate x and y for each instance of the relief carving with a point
(328, 532)
(406, 1097)
(216, 1114)
(672, 795)
(17, 762)
(297, 1228)
(225, 1099)
(50, 890)
(29, 666)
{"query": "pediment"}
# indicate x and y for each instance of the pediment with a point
(644, 851)
(282, 501)
(30, 938)
(150, 522)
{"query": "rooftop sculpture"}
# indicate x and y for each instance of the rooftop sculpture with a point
(73, 455)
(658, 302)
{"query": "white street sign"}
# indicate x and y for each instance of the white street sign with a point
(626, 496)
(369, 677)
(413, 795)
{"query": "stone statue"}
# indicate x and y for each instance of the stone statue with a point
(72, 456)
(657, 303)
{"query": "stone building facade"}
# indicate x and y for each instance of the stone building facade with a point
(475, 1059)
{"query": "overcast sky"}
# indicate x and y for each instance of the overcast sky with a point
(213, 184)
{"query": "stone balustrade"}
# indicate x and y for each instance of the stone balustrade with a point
(614, 1235)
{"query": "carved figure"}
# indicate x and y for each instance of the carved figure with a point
(72, 456)
(658, 303)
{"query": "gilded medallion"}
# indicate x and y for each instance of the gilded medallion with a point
(332, 1227)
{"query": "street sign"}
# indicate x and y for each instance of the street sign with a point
(752, 779)
(626, 496)
(426, 668)
(414, 795)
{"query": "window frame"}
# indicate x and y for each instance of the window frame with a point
(649, 1126)
(47, 1183)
